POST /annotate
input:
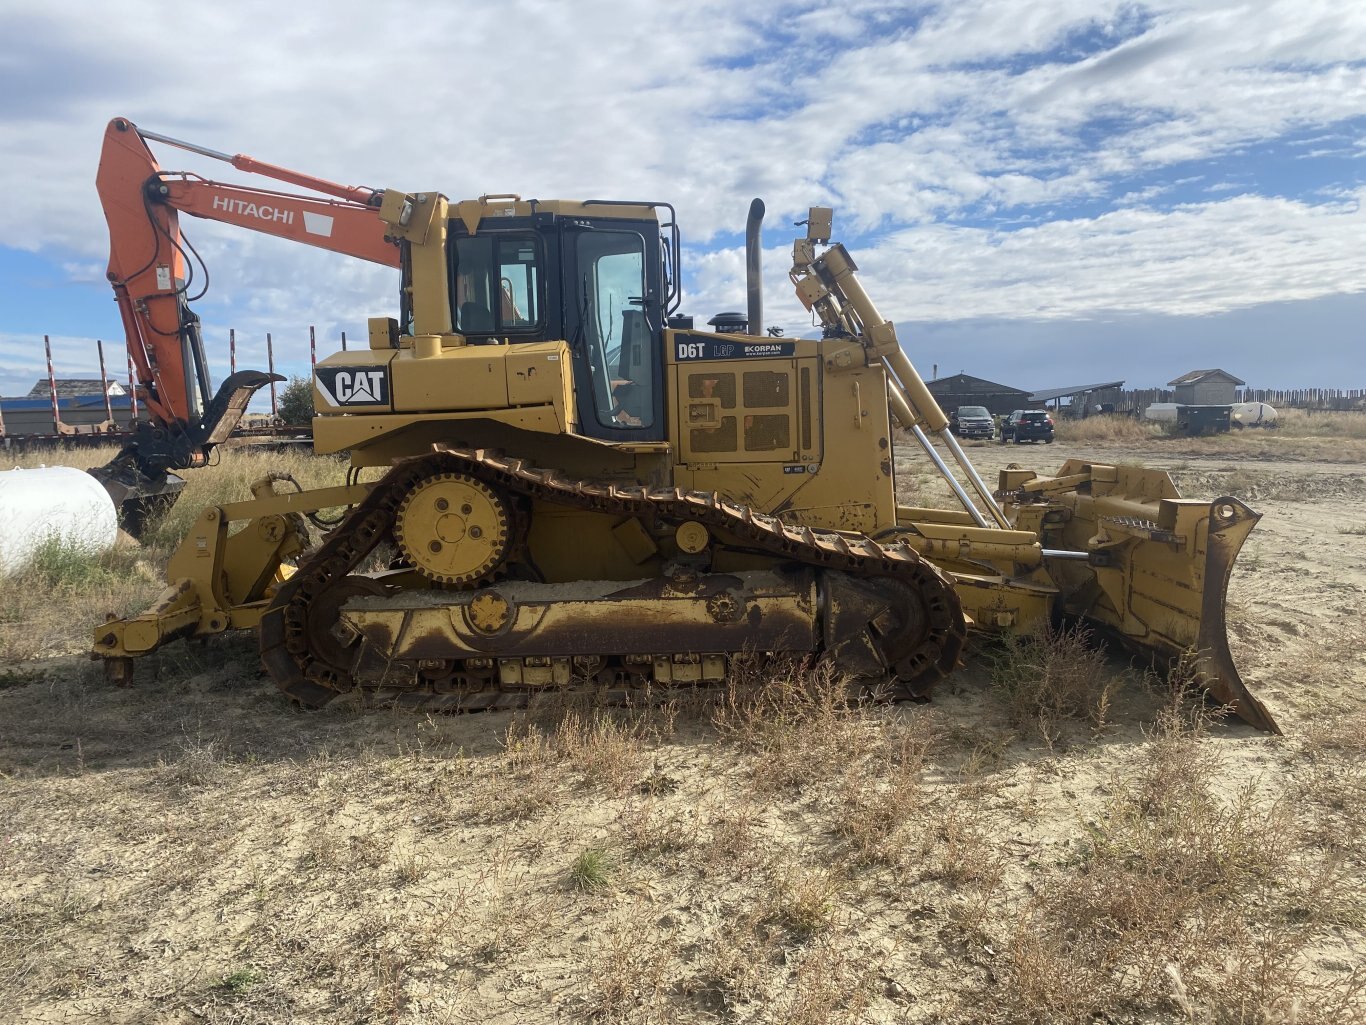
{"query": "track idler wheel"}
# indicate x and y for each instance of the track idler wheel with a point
(329, 642)
(875, 627)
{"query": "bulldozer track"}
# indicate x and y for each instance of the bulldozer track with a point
(289, 648)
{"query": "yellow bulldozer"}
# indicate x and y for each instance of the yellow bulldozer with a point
(581, 487)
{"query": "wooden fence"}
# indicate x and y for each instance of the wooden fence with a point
(1138, 399)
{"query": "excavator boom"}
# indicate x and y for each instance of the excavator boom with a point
(153, 276)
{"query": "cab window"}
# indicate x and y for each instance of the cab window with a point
(609, 293)
(497, 285)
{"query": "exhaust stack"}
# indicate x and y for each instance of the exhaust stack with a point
(754, 279)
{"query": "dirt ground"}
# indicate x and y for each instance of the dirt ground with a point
(195, 849)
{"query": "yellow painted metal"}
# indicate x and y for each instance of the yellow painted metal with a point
(372, 359)
(520, 619)
(540, 374)
(1002, 602)
(427, 346)
(454, 529)
(805, 434)
(489, 613)
(378, 439)
(175, 611)
(571, 544)
(473, 377)
(413, 217)
(719, 450)
(383, 333)
(431, 280)
(907, 515)
(528, 386)
(692, 537)
(295, 502)
(219, 578)
(949, 542)
(635, 540)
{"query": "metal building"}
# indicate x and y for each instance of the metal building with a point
(1082, 399)
(966, 390)
(74, 387)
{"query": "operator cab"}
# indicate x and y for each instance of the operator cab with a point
(600, 283)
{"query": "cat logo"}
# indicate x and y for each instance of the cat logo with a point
(341, 386)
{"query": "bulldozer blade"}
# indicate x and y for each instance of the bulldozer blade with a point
(1231, 522)
(1166, 581)
(1156, 568)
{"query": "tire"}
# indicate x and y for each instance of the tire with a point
(1048, 441)
(1019, 440)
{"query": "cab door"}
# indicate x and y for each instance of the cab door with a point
(613, 319)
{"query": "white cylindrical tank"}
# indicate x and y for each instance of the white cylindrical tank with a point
(1161, 411)
(1253, 414)
(52, 501)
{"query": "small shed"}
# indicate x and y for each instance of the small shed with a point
(1206, 388)
(966, 390)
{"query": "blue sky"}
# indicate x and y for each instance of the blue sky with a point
(1037, 193)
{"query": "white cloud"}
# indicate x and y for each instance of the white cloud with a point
(918, 122)
(1199, 258)
(1264, 250)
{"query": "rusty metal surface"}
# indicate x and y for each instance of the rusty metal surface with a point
(592, 618)
(915, 635)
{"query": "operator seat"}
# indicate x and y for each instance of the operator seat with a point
(475, 318)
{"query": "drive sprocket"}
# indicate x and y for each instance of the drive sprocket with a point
(455, 529)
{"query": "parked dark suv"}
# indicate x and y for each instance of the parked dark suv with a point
(1027, 425)
(972, 422)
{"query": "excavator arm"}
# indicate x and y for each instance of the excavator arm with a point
(152, 272)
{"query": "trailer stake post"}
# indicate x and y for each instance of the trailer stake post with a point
(270, 365)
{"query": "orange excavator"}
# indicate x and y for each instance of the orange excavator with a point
(152, 270)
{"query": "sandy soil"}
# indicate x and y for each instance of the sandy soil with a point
(195, 849)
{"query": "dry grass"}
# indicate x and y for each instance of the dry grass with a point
(1033, 848)
(1331, 437)
(51, 606)
(1337, 437)
(1183, 896)
(807, 724)
(1304, 423)
(1107, 429)
(344, 861)
(1049, 675)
